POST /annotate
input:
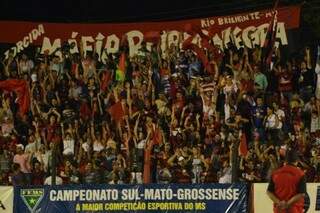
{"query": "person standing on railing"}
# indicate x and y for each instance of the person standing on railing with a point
(287, 186)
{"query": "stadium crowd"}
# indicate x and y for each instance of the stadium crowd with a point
(168, 120)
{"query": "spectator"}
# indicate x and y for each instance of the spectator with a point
(306, 79)
(272, 125)
(18, 178)
(38, 174)
(225, 174)
(34, 141)
(171, 119)
(259, 112)
(260, 80)
(90, 176)
(23, 159)
(25, 64)
(75, 177)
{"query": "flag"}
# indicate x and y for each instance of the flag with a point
(243, 147)
(74, 68)
(105, 80)
(157, 136)
(121, 71)
(85, 111)
(116, 111)
(270, 37)
(187, 44)
(21, 88)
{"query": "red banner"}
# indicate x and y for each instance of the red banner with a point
(248, 27)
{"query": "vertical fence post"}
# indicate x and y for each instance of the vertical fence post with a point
(54, 164)
(235, 162)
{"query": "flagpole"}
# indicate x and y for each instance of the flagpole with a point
(268, 45)
(276, 3)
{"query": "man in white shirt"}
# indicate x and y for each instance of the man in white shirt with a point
(226, 173)
(25, 64)
(280, 113)
(68, 145)
(227, 176)
(34, 144)
(272, 120)
(75, 90)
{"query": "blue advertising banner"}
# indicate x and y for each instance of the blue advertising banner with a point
(204, 198)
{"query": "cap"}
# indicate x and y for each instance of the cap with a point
(20, 146)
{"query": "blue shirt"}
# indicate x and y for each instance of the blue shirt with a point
(258, 113)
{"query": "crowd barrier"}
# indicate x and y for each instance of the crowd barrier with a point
(6, 199)
(205, 198)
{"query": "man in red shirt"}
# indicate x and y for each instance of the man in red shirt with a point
(287, 186)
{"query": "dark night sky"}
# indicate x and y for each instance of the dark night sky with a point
(125, 10)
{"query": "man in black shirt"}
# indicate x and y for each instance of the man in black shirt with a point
(307, 78)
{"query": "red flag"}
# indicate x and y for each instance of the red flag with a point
(74, 68)
(187, 44)
(200, 54)
(21, 88)
(105, 80)
(85, 111)
(122, 62)
(157, 136)
(243, 148)
(193, 30)
(116, 111)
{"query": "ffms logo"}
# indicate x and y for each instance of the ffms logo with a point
(32, 198)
